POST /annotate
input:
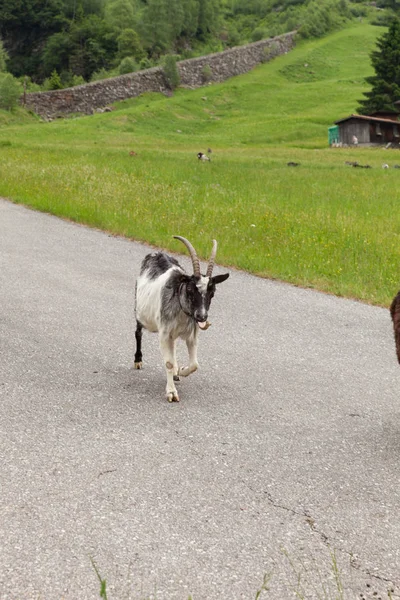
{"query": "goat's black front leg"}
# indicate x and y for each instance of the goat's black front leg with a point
(138, 353)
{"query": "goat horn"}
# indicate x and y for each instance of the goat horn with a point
(211, 262)
(193, 255)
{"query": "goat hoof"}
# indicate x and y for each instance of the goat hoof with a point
(176, 378)
(173, 397)
(138, 365)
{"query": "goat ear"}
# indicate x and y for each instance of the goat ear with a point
(184, 278)
(219, 278)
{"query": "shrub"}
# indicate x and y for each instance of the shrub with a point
(171, 72)
(270, 52)
(53, 82)
(145, 63)
(383, 19)
(27, 84)
(206, 73)
(358, 11)
(77, 80)
(127, 65)
(68, 80)
(322, 17)
(10, 91)
(258, 34)
(101, 74)
(233, 37)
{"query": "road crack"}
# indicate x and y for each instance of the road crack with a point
(355, 562)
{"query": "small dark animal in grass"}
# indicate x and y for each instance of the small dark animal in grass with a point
(356, 164)
(293, 164)
(202, 156)
(176, 305)
(396, 166)
(395, 314)
(132, 153)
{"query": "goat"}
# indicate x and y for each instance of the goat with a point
(202, 156)
(395, 314)
(174, 304)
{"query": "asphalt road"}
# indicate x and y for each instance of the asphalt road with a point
(282, 458)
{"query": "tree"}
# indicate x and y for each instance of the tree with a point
(56, 52)
(3, 58)
(393, 4)
(155, 27)
(208, 18)
(87, 46)
(129, 44)
(10, 91)
(24, 26)
(54, 82)
(171, 72)
(190, 18)
(175, 17)
(90, 7)
(120, 14)
(386, 81)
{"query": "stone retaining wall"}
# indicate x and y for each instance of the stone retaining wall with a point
(194, 72)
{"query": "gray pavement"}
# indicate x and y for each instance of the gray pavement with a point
(282, 458)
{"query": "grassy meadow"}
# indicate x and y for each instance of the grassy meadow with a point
(322, 224)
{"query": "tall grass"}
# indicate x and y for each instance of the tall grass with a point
(321, 224)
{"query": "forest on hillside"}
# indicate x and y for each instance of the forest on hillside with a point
(59, 43)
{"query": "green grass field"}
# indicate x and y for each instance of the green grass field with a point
(322, 224)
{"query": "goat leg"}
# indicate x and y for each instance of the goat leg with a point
(191, 344)
(167, 346)
(138, 353)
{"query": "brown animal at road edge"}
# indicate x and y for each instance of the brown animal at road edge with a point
(395, 314)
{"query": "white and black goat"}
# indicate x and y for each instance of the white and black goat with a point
(174, 304)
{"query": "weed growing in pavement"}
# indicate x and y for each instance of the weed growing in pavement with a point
(103, 583)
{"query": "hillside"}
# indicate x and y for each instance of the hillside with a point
(62, 43)
(321, 224)
(291, 100)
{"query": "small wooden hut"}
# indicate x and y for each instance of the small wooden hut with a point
(377, 129)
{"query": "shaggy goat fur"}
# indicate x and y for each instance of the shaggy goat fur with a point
(174, 304)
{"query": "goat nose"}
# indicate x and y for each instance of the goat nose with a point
(201, 315)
